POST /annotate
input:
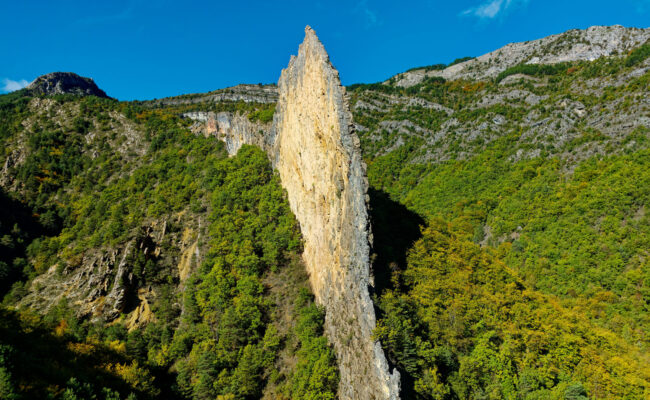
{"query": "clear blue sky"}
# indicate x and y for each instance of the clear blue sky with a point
(137, 49)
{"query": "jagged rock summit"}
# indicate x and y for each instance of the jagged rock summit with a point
(314, 148)
(64, 83)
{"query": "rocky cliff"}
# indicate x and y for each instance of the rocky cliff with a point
(234, 129)
(246, 93)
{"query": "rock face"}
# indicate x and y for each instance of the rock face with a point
(97, 288)
(99, 284)
(315, 150)
(64, 83)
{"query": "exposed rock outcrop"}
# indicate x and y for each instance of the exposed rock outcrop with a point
(234, 129)
(64, 83)
(101, 283)
(246, 93)
(96, 287)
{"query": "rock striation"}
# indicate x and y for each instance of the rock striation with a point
(64, 83)
(247, 93)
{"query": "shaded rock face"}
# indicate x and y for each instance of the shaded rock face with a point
(64, 83)
(313, 146)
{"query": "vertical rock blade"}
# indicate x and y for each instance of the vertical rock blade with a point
(315, 150)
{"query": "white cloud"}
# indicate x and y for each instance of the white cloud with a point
(9, 85)
(120, 16)
(370, 17)
(492, 8)
(642, 6)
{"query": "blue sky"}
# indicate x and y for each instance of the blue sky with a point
(136, 49)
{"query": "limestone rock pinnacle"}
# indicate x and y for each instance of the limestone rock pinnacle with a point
(315, 150)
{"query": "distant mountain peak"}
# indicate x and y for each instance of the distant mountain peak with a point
(64, 83)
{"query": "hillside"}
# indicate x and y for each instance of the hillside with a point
(135, 230)
(160, 246)
(540, 176)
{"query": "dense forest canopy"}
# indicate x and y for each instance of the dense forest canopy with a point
(220, 336)
(530, 278)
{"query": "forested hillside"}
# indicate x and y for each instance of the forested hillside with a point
(159, 266)
(531, 276)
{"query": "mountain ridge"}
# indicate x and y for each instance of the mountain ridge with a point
(572, 45)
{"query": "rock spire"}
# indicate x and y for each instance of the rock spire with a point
(314, 148)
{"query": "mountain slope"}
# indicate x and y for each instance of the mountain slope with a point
(508, 208)
(153, 242)
(544, 169)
